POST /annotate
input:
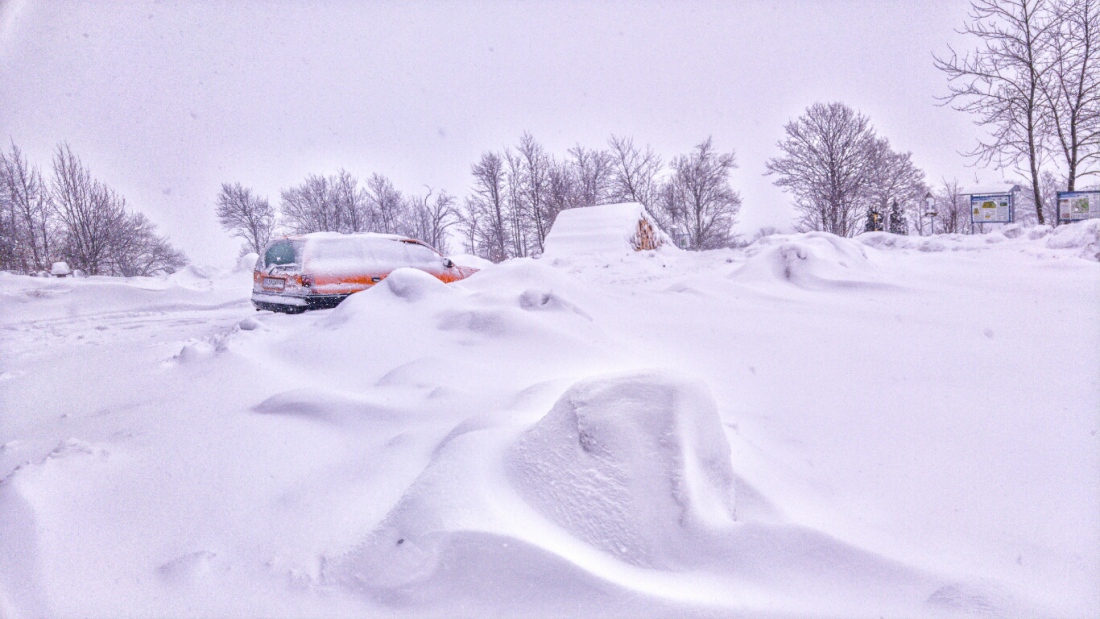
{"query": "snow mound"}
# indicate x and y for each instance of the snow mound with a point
(314, 404)
(631, 464)
(604, 229)
(470, 260)
(1081, 240)
(247, 262)
(194, 276)
(1083, 236)
(397, 291)
(814, 260)
(413, 284)
(490, 575)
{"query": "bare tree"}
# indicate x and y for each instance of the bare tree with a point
(428, 219)
(89, 212)
(1071, 88)
(827, 164)
(28, 223)
(307, 207)
(634, 172)
(698, 200)
(563, 190)
(100, 235)
(952, 207)
(136, 249)
(518, 221)
(1002, 83)
(246, 215)
(328, 204)
(485, 221)
(352, 203)
(593, 176)
(386, 204)
(533, 174)
(1049, 185)
(9, 236)
(892, 176)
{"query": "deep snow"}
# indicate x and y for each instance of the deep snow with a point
(812, 426)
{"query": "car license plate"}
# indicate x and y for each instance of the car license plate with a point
(274, 283)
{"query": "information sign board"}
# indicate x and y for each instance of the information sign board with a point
(1077, 205)
(991, 208)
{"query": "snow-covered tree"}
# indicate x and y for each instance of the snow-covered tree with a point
(898, 223)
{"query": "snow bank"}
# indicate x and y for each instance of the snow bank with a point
(604, 229)
(195, 277)
(1080, 240)
(1083, 236)
(247, 262)
(631, 464)
(24, 298)
(813, 260)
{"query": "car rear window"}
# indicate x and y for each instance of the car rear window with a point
(282, 252)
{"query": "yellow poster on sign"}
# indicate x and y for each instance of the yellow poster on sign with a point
(991, 208)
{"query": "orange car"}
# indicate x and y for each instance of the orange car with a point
(320, 270)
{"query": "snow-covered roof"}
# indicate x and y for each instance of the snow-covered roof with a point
(985, 190)
(607, 228)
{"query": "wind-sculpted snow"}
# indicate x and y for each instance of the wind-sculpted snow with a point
(811, 261)
(324, 406)
(633, 464)
(510, 312)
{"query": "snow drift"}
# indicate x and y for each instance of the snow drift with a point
(1080, 239)
(814, 260)
(632, 464)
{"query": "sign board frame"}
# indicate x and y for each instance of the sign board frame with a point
(1004, 208)
(1073, 201)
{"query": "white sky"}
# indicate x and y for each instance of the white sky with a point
(166, 100)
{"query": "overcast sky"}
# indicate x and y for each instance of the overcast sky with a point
(166, 100)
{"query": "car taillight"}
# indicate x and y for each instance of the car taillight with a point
(307, 281)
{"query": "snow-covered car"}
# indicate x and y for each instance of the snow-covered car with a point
(320, 270)
(60, 269)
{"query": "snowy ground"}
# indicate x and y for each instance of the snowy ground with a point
(813, 426)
